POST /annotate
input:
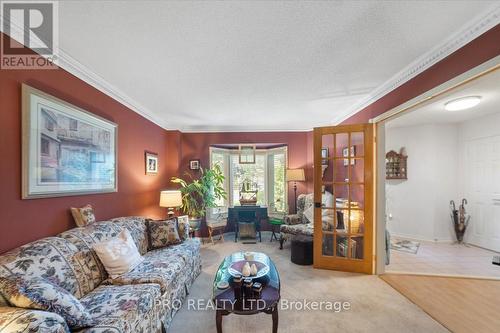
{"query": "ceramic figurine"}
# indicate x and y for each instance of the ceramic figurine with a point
(253, 270)
(246, 271)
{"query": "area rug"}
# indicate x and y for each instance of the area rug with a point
(404, 245)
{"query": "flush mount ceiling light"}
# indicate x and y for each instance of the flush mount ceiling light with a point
(462, 103)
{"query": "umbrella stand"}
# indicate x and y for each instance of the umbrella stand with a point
(460, 220)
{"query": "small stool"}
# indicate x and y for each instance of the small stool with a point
(213, 226)
(275, 224)
(302, 250)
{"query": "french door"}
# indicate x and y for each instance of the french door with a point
(344, 198)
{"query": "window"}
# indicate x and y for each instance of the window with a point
(45, 146)
(73, 124)
(267, 175)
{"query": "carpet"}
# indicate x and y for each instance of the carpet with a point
(404, 245)
(374, 305)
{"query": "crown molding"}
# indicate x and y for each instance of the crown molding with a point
(226, 130)
(477, 27)
(73, 66)
(474, 29)
(68, 63)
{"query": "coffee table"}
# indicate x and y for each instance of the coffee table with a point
(226, 302)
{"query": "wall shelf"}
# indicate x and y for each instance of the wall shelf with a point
(396, 165)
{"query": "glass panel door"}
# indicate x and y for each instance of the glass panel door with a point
(343, 196)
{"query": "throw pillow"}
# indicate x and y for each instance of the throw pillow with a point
(162, 233)
(83, 216)
(119, 254)
(40, 294)
(309, 214)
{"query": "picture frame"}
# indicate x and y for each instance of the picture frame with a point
(194, 164)
(151, 163)
(247, 154)
(324, 156)
(66, 150)
(345, 153)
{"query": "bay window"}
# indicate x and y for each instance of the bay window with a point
(267, 175)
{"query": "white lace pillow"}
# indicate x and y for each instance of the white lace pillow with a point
(119, 255)
(309, 214)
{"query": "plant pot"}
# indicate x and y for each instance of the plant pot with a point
(195, 223)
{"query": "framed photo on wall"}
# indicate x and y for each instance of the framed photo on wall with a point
(345, 153)
(194, 164)
(151, 163)
(324, 156)
(65, 150)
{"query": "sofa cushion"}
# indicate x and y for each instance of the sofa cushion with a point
(298, 229)
(54, 259)
(84, 239)
(131, 308)
(162, 233)
(164, 271)
(167, 267)
(38, 293)
(119, 254)
(136, 225)
(25, 320)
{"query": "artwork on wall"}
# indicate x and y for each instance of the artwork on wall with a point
(345, 153)
(194, 164)
(246, 154)
(151, 163)
(324, 156)
(66, 150)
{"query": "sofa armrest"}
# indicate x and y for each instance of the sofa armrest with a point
(293, 219)
(20, 320)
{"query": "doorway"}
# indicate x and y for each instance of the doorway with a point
(343, 192)
(451, 157)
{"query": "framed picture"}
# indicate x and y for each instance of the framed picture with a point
(324, 156)
(151, 163)
(247, 154)
(345, 153)
(66, 150)
(194, 164)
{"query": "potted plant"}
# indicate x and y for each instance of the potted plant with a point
(200, 194)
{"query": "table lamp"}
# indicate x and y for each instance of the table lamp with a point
(295, 175)
(170, 199)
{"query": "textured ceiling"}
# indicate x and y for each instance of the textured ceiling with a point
(231, 66)
(433, 112)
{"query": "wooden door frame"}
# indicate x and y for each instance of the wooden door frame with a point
(369, 263)
(403, 109)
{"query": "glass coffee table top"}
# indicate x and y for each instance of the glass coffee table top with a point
(225, 298)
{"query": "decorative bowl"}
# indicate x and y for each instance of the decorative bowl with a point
(236, 267)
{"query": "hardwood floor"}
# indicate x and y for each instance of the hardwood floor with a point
(460, 304)
(445, 259)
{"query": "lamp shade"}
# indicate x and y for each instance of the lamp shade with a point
(295, 175)
(170, 199)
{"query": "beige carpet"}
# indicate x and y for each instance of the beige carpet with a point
(375, 306)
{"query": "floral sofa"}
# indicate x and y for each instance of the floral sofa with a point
(143, 300)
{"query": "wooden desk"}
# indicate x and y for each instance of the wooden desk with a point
(246, 214)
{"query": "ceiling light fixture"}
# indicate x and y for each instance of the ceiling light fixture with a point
(462, 103)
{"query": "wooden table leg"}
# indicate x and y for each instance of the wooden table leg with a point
(218, 320)
(275, 319)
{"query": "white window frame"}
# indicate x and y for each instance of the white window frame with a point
(228, 182)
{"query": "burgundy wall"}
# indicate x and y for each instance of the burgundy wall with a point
(196, 146)
(478, 51)
(22, 221)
